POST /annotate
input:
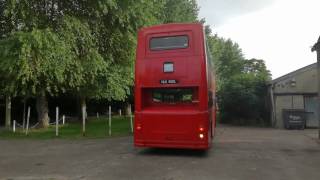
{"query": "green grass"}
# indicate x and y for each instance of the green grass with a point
(95, 128)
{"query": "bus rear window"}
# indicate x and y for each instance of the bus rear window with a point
(167, 43)
(174, 95)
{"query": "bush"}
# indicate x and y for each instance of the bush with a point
(242, 100)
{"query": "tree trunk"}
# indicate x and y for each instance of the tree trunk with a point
(8, 111)
(128, 108)
(84, 114)
(83, 104)
(42, 110)
(24, 113)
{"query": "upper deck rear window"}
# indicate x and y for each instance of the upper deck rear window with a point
(167, 43)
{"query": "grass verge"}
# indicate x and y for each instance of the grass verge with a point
(95, 128)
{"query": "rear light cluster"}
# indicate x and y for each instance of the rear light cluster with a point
(201, 134)
(139, 127)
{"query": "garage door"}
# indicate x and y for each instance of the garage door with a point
(312, 112)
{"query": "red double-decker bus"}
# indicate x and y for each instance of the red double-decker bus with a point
(174, 88)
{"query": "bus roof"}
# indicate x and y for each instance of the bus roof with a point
(170, 26)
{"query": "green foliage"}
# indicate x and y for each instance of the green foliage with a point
(96, 41)
(258, 68)
(85, 48)
(88, 62)
(35, 61)
(242, 100)
(227, 57)
(174, 11)
(242, 84)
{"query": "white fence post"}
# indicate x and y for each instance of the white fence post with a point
(28, 118)
(63, 119)
(120, 112)
(97, 115)
(57, 127)
(130, 114)
(109, 120)
(57, 121)
(14, 126)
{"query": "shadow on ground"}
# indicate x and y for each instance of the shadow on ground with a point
(172, 152)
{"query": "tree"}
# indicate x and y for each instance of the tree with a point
(174, 11)
(113, 25)
(98, 38)
(21, 40)
(242, 84)
(37, 63)
(258, 68)
(90, 64)
(242, 100)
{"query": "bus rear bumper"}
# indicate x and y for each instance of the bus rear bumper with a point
(173, 144)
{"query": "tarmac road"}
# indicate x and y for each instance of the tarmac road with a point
(237, 154)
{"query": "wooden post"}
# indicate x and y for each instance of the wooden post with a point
(63, 119)
(130, 114)
(14, 126)
(28, 118)
(84, 121)
(109, 120)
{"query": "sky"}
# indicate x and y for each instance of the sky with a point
(281, 32)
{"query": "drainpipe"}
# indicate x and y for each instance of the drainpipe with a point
(316, 47)
(273, 116)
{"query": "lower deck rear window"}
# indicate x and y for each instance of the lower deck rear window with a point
(173, 95)
(167, 43)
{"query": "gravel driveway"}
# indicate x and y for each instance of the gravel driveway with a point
(237, 153)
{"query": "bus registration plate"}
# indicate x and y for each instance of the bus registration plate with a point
(168, 81)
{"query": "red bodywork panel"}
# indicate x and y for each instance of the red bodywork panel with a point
(177, 124)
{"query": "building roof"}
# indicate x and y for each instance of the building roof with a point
(316, 46)
(294, 73)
